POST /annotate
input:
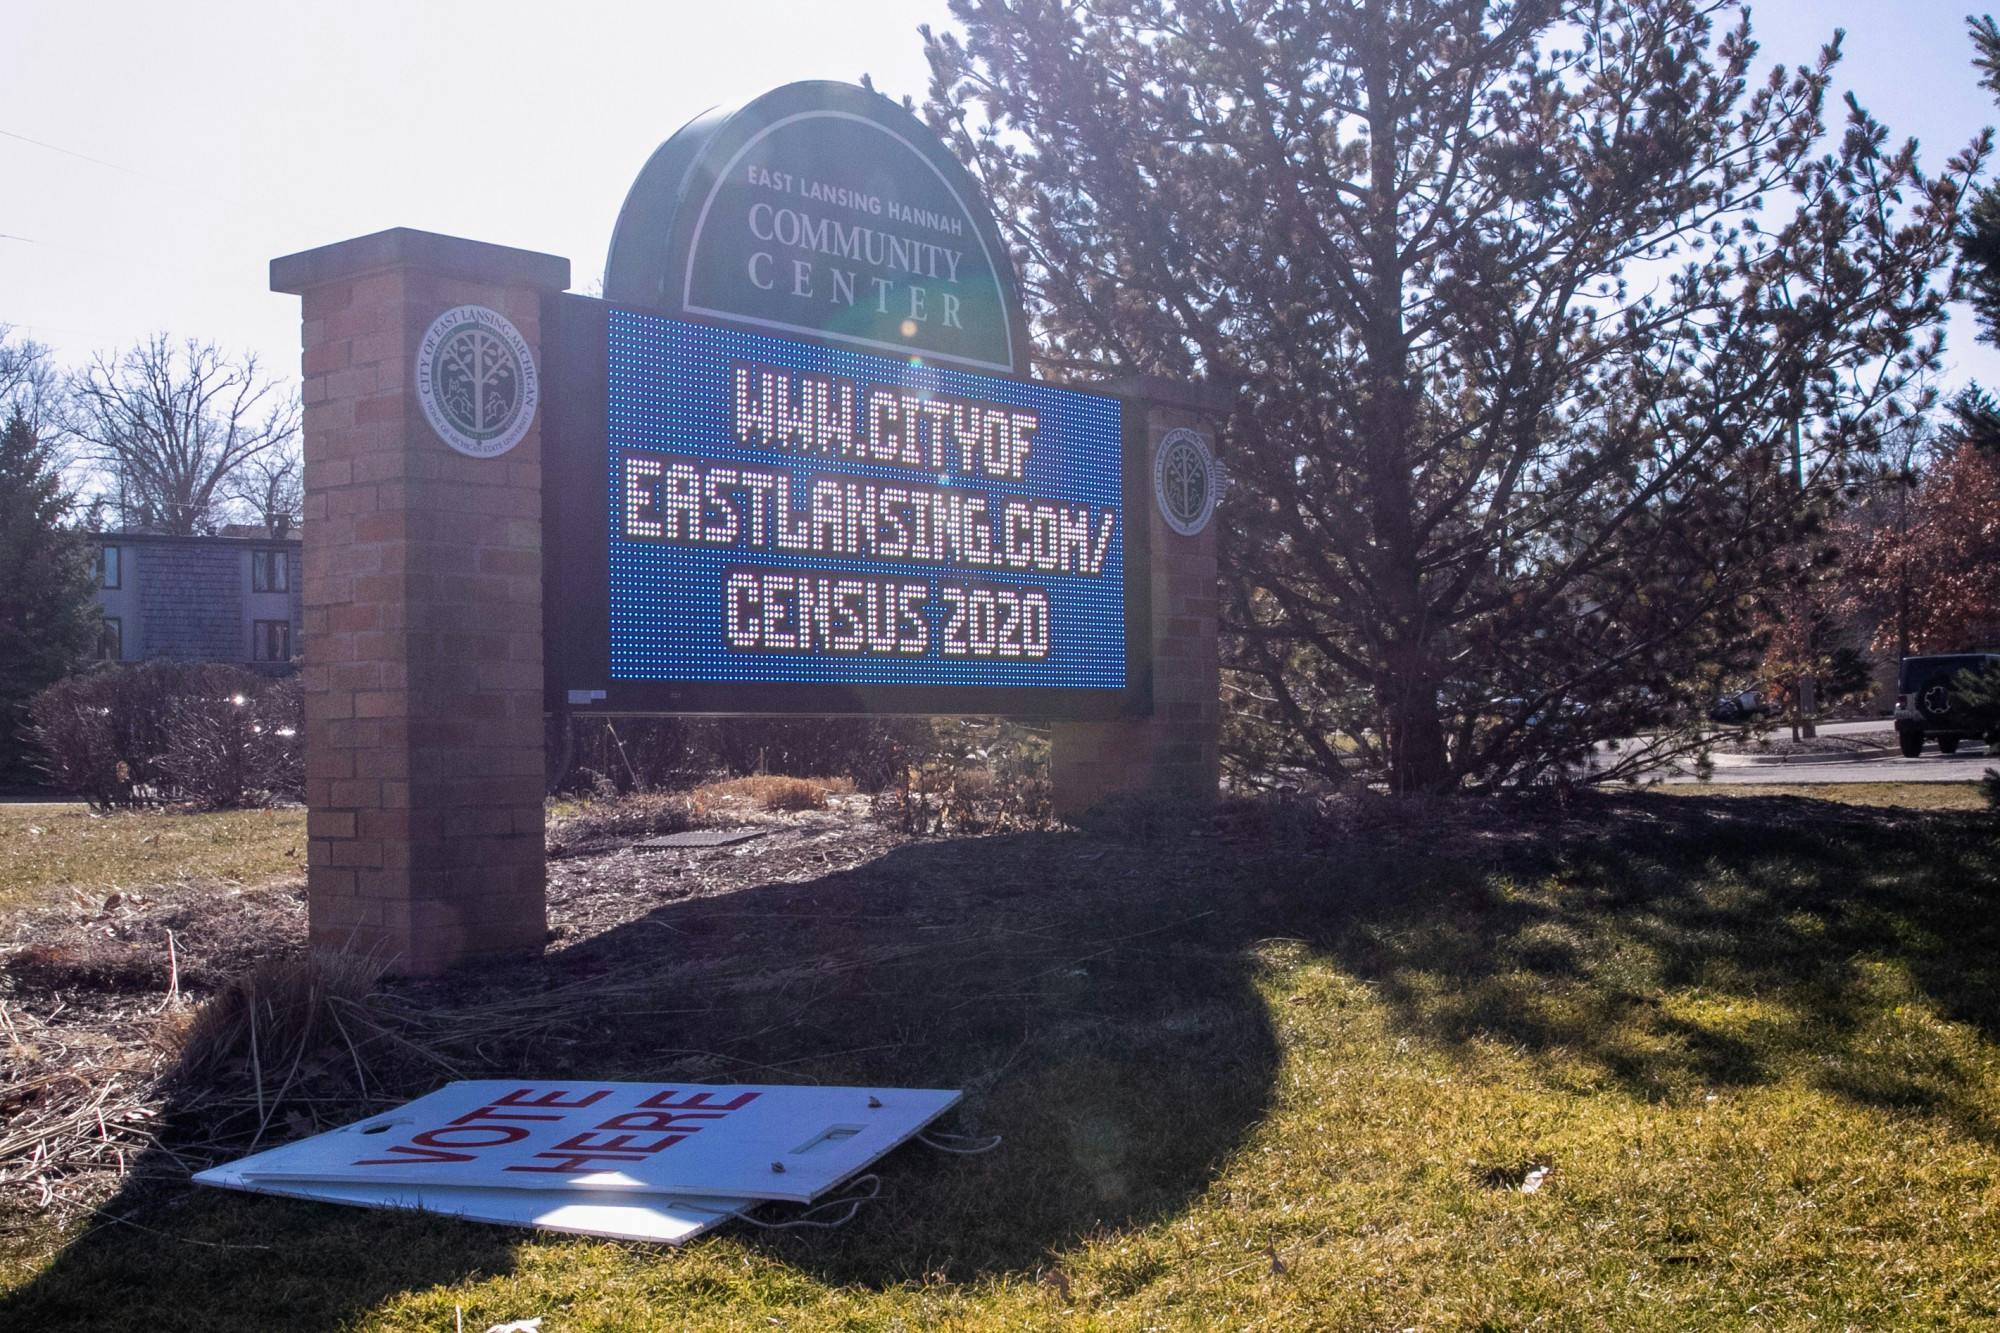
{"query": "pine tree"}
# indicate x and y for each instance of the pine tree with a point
(48, 620)
(1550, 326)
(1979, 242)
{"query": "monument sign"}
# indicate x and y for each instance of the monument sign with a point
(792, 462)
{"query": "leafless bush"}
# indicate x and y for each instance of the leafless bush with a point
(165, 732)
(235, 750)
(976, 777)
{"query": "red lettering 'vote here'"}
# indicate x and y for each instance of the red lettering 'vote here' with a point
(656, 1124)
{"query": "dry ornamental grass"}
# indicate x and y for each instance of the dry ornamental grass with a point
(774, 793)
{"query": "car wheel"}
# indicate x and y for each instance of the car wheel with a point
(1912, 741)
(1934, 697)
(1947, 745)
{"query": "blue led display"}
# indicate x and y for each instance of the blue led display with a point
(782, 512)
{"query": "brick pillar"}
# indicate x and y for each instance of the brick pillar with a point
(422, 615)
(1176, 751)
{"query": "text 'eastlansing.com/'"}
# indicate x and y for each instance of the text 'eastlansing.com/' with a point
(718, 505)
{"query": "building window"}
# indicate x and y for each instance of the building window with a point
(111, 638)
(109, 573)
(271, 641)
(269, 572)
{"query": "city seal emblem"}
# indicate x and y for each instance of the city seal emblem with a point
(476, 380)
(1186, 480)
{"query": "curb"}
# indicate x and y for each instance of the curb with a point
(1780, 760)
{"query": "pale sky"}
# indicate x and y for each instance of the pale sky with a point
(155, 157)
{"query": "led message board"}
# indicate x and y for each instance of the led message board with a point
(746, 523)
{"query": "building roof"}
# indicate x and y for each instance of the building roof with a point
(225, 538)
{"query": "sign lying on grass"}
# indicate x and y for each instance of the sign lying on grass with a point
(609, 1140)
(627, 1216)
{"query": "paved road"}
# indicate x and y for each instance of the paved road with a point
(1968, 765)
(1843, 728)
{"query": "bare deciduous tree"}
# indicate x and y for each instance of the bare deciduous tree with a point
(174, 424)
(271, 487)
(29, 382)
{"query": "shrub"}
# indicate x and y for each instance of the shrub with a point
(974, 776)
(776, 793)
(235, 750)
(654, 754)
(171, 732)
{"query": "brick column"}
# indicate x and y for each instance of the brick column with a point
(422, 615)
(1176, 751)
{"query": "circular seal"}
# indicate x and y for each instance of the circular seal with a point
(1187, 481)
(476, 379)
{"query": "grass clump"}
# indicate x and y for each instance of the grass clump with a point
(1885, 795)
(774, 793)
(639, 815)
(267, 1021)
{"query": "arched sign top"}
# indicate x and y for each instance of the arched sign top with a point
(824, 211)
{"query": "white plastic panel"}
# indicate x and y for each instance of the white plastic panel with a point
(619, 1216)
(737, 1142)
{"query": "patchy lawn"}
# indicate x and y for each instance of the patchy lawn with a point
(1896, 795)
(1632, 1062)
(45, 850)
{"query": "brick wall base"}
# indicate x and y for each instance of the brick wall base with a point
(1176, 751)
(422, 613)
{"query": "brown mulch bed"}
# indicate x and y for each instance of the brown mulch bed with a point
(98, 996)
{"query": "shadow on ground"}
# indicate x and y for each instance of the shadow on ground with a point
(1751, 939)
(1095, 1001)
(1098, 1000)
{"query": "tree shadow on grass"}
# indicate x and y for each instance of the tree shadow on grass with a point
(1098, 1009)
(1752, 940)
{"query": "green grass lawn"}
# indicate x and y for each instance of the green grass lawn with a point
(1897, 795)
(1747, 1047)
(45, 850)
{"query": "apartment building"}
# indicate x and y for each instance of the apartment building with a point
(231, 598)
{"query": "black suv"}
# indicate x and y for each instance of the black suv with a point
(1928, 703)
